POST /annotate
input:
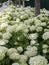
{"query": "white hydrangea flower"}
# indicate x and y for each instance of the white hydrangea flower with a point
(26, 31)
(45, 36)
(14, 56)
(22, 13)
(4, 25)
(28, 47)
(45, 46)
(21, 26)
(24, 16)
(39, 29)
(23, 58)
(11, 50)
(28, 53)
(32, 51)
(3, 49)
(17, 20)
(33, 36)
(33, 48)
(44, 50)
(29, 21)
(38, 60)
(19, 49)
(6, 41)
(15, 64)
(32, 28)
(8, 12)
(6, 35)
(2, 42)
(43, 24)
(33, 42)
(2, 55)
(37, 22)
(10, 29)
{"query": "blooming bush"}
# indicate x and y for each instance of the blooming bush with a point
(24, 38)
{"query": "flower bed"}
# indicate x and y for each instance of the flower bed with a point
(24, 38)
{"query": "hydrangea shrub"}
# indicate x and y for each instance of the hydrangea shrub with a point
(24, 38)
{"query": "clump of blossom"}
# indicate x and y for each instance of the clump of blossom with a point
(45, 36)
(38, 60)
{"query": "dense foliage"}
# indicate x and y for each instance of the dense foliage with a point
(24, 38)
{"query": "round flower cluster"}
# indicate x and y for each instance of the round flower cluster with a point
(31, 51)
(46, 35)
(38, 60)
(3, 51)
(24, 37)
